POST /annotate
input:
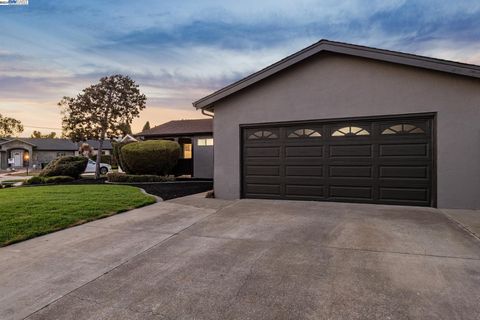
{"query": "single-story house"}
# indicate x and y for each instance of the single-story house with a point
(343, 122)
(38, 151)
(196, 140)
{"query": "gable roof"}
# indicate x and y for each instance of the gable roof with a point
(324, 45)
(5, 141)
(180, 127)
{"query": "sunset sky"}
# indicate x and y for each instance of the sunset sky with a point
(179, 51)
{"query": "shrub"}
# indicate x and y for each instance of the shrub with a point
(65, 166)
(59, 179)
(154, 157)
(117, 154)
(104, 158)
(35, 180)
(131, 178)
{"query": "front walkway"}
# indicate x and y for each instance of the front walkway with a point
(196, 258)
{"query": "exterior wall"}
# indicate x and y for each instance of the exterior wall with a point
(202, 159)
(336, 86)
(41, 156)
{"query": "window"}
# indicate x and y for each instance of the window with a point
(61, 154)
(187, 151)
(204, 142)
(304, 133)
(263, 134)
(350, 131)
(403, 128)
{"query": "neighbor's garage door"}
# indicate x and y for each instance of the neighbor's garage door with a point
(377, 161)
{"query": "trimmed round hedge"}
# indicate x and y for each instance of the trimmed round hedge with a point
(157, 157)
(65, 166)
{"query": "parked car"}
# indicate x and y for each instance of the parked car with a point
(104, 167)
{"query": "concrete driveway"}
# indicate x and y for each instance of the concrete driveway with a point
(195, 258)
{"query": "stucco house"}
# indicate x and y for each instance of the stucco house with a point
(196, 140)
(38, 151)
(342, 122)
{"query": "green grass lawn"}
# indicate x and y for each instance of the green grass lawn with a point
(28, 212)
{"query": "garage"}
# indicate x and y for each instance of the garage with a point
(379, 160)
(349, 123)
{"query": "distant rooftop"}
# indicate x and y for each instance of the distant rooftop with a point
(180, 127)
(49, 144)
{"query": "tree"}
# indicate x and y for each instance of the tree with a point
(38, 134)
(125, 128)
(146, 126)
(9, 126)
(101, 110)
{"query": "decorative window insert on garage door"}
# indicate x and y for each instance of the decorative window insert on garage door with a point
(371, 160)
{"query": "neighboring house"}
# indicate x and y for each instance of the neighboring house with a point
(196, 140)
(341, 122)
(38, 151)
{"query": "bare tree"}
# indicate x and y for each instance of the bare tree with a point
(101, 111)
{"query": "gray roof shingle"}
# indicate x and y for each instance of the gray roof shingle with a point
(180, 127)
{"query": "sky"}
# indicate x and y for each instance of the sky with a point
(179, 51)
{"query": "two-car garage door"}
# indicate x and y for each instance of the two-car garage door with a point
(383, 160)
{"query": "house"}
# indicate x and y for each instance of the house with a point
(349, 123)
(40, 151)
(196, 141)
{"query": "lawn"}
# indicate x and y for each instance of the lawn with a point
(29, 212)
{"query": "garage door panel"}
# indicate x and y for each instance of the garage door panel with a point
(305, 191)
(351, 192)
(404, 194)
(311, 181)
(263, 170)
(263, 189)
(303, 161)
(304, 151)
(350, 171)
(308, 171)
(404, 172)
(376, 161)
(402, 150)
(262, 151)
(263, 161)
(350, 150)
(263, 180)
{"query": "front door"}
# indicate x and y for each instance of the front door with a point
(18, 158)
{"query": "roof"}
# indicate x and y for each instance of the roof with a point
(8, 140)
(48, 144)
(180, 127)
(413, 60)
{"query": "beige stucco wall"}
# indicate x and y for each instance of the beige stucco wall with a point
(335, 86)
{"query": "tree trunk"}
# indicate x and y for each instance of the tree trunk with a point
(99, 156)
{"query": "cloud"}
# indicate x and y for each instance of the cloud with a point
(179, 51)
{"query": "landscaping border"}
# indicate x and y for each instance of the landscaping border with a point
(171, 190)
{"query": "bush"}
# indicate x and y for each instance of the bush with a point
(59, 179)
(104, 158)
(131, 178)
(154, 157)
(35, 180)
(117, 154)
(65, 166)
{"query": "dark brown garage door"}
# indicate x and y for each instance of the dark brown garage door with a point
(376, 161)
